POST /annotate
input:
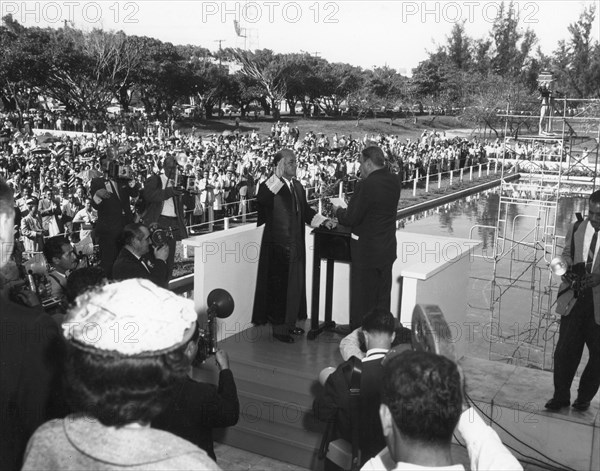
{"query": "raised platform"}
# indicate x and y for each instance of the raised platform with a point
(277, 383)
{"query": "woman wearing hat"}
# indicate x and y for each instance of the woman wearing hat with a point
(127, 354)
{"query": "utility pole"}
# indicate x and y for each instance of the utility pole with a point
(220, 41)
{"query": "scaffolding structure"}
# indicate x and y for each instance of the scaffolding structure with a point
(563, 160)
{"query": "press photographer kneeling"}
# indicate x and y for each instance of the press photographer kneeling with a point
(135, 260)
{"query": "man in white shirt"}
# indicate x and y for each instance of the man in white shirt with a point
(421, 405)
(165, 205)
(579, 306)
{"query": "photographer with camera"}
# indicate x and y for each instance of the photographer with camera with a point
(133, 260)
(164, 205)
(579, 305)
(200, 407)
(111, 197)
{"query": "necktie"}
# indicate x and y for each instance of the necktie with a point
(115, 188)
(145, 265)
(591, 252)
(294, 198)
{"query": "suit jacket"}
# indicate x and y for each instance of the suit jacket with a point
(32, 241)
(197, 408)
(155, 197)
(334, 404)
(128, 266)
(371, 214)
(114, 212)
(31, 359)
(566, 300)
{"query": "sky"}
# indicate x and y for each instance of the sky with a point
(369, 34)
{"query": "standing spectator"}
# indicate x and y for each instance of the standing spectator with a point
(49, 209)
(32, 229)
(85, 219)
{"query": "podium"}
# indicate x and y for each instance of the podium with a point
(332, 245)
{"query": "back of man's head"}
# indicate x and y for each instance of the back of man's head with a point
(423, 393)
(374, 154)
(379, 320)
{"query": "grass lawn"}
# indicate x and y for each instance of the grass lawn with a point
(402, 127)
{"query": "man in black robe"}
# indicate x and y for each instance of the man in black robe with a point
(281, 283)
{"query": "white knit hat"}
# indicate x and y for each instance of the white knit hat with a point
(131, 317)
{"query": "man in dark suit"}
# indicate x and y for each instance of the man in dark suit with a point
(280, 296)
(164, 205)
(133, 261)
(31, 355)
(579, 306)
(200, 407)
(371, 214)
(111, 198)
(335, 403)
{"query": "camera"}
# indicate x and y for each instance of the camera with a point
(159, 236)
(119, 171)
(187, 182)
(576, 276)
(220, 306)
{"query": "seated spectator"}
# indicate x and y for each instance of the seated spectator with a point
(200, 407)
(117, 386)
(422, 404)
(378, 328)
(61, 257)
(133, 261)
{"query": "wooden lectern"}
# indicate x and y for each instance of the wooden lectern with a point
(332, 245)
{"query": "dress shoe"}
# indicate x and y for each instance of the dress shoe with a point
(555, 404)
(297, 331)
(581, 405)
(342, 329)
(284, 338)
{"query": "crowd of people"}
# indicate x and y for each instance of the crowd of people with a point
(121, 190)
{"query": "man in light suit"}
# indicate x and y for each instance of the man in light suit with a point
(579, 305)
(280, 296)
(371, 214)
